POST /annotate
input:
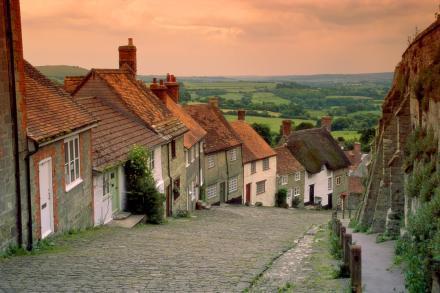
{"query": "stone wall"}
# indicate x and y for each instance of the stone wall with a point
(384, 203)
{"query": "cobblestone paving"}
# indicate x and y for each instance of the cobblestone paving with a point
(221, 250)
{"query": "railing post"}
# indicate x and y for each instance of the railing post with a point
(346, 254)
(356, 268)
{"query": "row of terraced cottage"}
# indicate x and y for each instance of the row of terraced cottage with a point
(64, 168)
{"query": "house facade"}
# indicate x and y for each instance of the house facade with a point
(259, 164)
(223, 164)
(326, 166)
(168, 93)
(145, 121)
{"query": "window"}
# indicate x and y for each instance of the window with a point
(233, 184)
(261, 187)
(211, 162)
(338, 180)
(330, 183)
(297, 176)
(211, 191)
(284, 179)
(151, 160)
(290, 193)
(253, 167)
(106, 183)
(71, 162)
(296, 191)
(266, 164)
(173, 149)
(233, 155)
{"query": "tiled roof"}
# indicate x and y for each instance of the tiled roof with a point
(141, 101)
(118, 130)
(316, 147)
(195, 133)
(286, 162)
(254, 146)
(220, 135)
(51, 112)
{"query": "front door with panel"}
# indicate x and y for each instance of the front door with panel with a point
(46, 197)
(112, 177)
(312, 194)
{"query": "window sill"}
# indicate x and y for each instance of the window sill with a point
(73, 184)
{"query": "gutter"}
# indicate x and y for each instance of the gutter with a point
(29, 197)
(227, 177)
(14, 118)
(171, 179)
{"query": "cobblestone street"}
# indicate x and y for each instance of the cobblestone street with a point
(221, 250)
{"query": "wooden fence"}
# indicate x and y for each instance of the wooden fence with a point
(351, 254)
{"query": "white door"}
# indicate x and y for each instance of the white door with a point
(46, 197)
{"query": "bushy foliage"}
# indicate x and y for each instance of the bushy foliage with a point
(296, 201)
(142, 196)
(281, 197)
(420, 146)
(264, 131)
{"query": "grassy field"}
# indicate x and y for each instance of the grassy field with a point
(268, 97)
(231, 86)
(346, 134)
(348, 97)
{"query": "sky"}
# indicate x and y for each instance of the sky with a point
(225, 37)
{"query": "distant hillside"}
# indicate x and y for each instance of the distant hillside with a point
(58, 72)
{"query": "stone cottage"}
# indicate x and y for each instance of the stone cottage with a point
(259, 164)
(119, 90)
(223, 168)
(290, 173)
(168, 93)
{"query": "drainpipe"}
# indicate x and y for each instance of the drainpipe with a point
(227, 177)
(13, 109)
(171, 179)
(28, 193)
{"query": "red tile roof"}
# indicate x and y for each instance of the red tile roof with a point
(286, 162)
(51, 112)
(254, 146)
(118, 130)
(220, 135)
(141, 101)
(195, 133)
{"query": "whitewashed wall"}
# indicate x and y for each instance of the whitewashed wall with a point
(157, 172)
(321, 185)
(268, 197)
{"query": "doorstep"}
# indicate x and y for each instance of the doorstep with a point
(126, 220)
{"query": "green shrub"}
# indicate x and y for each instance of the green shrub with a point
(281, 197)
(142, 195)
(335, 244)
(296, 201)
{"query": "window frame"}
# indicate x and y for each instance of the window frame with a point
(295, 193)
(68, 182)
(330, 183)
(151, 160)
(187, 157)
(105, 184)
(211, 159)
(253, 167)
(232, 155)
(233, 187)
(284, 179)
(264, 187)
(209, 189)
(266, 164)
(338, 180)
(297, 176)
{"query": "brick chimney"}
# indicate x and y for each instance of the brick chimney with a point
(357, 147)
(127, 55)
(241, 114)
(326, 122)
(286, 127)
(159, 89)
(71, 83)
(213, 102)
(173, 87)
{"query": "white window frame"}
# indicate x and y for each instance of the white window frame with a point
(233, 184)
(197, 150)
(330, 183)
(76, 161)
(266, 164)
(151, 160)
(264, 187)
(338, 180)
(211, 161)
(233, 155)
(296, 191)
(211, 191)
(193, 156)
(284, 179)
(297, 176)
(106, 184)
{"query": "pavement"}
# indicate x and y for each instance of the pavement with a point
(220, 250)
(379, 274)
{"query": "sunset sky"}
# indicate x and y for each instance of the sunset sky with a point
(225, 37)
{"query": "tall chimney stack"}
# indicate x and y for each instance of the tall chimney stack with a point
(213, 102)
(173, 87)
(159, 89)
(286, 127)
(127, 55)
(241, 114)
(326, 122)
(357, 147)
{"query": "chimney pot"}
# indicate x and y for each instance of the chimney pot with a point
(168, 77)
(161, 82)
(173, 78)
(130, 41)
(287, 127)
(241, 114)
(127, 55)
(154, 80)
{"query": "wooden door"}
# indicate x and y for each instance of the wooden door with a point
(46, 197)
(248, 193)
(168, 201)
(312, 194)
(330, 201)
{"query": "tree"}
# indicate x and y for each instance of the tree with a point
(342, 123)
(142, 195)
(264, 131)
(367, 136)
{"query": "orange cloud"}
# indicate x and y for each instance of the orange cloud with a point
(228, 37)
